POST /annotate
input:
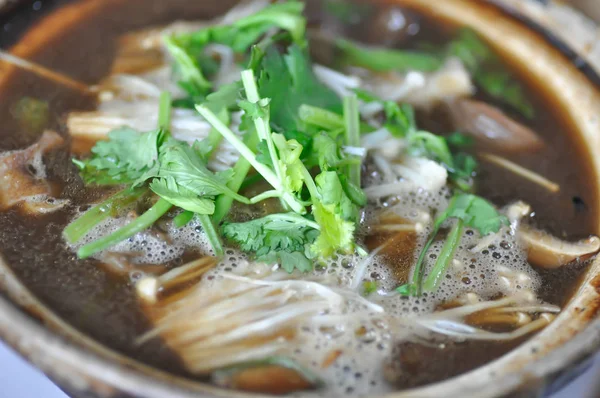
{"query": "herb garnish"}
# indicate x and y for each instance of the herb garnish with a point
(296, 136)
(468, 211)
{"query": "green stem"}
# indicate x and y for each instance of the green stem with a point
(418, 273)
(164, 111)
(214, 137)
(183, 218)
(383, 59)
(446, 255)
(262, 125)
(310, 184)
(263, 169)
(265, 195)
(213, 235)
(138, 225)
(352, 123)
(237, 143)
(240, 171)
(320, 117)
(80, 227)
(295, 218)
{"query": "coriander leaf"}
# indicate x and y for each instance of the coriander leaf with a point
(126, 157)
(185, 166)
(332, 193)
(470, 49)
(178, 196)
(256, 110)
(400, 119)
(336, 215)
(503, 86)
(263, 155)
(286, 16)
(380, 59)
(294, 260)
(187, 68)
(290, 82)
(434, 147)
(327, 152)
(289, 162)
(278, 238)
(463, 171)
(224, 98)
(193, 66)
(336, 234)
(477, 213)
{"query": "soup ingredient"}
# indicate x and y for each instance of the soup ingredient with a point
(547, 251)
(276, 239)
(247, 315)
(521, 171)
(469, 211)
(23, 173)
(452, 322)
(277, 375)
(493, 128)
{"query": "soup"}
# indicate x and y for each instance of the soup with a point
(357, 202)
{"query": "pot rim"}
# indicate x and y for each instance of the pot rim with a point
(78, 361)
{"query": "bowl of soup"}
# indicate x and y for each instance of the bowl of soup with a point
(321, 198)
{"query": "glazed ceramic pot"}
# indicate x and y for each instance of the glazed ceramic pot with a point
(552, 45)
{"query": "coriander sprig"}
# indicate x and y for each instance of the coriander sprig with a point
(469, 211)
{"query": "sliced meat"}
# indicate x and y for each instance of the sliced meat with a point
(23, 174)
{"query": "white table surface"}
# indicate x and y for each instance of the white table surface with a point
(20, 380)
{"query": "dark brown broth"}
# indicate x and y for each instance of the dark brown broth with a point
(106, 308)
